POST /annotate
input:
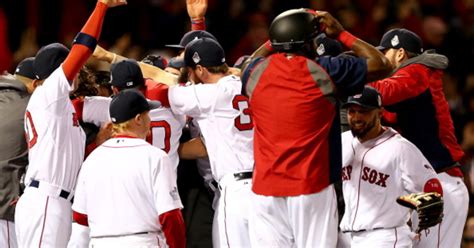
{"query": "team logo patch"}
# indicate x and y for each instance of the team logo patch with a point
(223, 60)
(129, 83)
(174, 194)
(196, 58)
(357, 96)
(379, 100)
(320, 50)
(395, 41)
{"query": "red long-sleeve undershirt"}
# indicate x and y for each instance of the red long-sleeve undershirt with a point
(80, 53)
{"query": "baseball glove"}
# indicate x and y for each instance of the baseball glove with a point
(429, 207)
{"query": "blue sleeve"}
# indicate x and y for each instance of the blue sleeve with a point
(347, 72)
(246, 73)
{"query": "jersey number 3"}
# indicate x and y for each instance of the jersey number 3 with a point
(244, 121)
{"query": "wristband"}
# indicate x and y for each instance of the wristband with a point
(347, 39)
(86, 40)
(198, 24)
(268, 46)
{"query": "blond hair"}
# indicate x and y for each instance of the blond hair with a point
(122, 127)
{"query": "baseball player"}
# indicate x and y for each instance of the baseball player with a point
(379, 165)
(126, 191)
(414, 92)
(216, 103)
(297, 131)
(55, 140)
(165, 127)
(15, 92)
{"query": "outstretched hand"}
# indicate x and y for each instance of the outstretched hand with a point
(113, 3)
(196, 8)
(331, 25)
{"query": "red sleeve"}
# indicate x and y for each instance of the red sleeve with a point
(198, 24)
(433, 185)
(172, 223)
(406, 83)
(157, 92)
(78, 107)
(80, 218)
(80, 53)
(89, 148)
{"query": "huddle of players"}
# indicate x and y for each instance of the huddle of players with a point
(138, 205)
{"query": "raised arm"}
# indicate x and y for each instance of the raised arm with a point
(149, 71)
(196, 11)
(377, 65)
(86, 40)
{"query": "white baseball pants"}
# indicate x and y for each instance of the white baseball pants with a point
(294, 221)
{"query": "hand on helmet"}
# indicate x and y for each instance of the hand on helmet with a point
(329, 24)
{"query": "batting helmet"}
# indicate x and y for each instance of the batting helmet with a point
(293, 28)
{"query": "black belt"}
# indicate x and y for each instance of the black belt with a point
(123, 235)
(64, 194)
(242, 175)
(363, 230)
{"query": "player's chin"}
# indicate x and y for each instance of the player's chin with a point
(358, 131)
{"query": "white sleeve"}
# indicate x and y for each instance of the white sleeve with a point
(96, 110)
(165, 190)
(194, 100)
(415, 168)
(80, 202)
(55, 90)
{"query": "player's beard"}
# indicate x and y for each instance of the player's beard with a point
(364, 130)
(184, 75)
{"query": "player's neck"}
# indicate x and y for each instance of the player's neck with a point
(372, 134)
(131, 134)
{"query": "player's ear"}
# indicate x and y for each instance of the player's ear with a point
(36, 82)
(115, 90)
(400, 55)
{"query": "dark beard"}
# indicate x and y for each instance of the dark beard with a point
(183, 76)
(360, 133)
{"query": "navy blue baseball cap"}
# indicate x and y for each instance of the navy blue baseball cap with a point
(25, 68)
(129, 103)
(126, 74)
(48, 59)
(369, 99)
(190, 36)
(176, 63)
(205, 52)
(401, 38)
(326, 46)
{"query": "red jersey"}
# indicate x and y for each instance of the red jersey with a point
(297, 138)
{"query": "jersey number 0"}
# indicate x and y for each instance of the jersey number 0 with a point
(160, 130)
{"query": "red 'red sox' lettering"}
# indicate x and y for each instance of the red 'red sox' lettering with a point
(374, 177)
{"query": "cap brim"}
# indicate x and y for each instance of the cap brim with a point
(175, 46)
(154, 104)
(347, 104)
(176, 63)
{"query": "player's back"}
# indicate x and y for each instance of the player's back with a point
(119, 186)
(55, 139)
(223, 115)
(294, 108)
(165, 131)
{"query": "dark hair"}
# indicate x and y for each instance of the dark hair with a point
(87, 85)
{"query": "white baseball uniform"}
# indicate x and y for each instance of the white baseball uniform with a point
(166, 127)
(374, 174)
(456, 203)
(123, 187)
(223, 117)
(56, 151)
